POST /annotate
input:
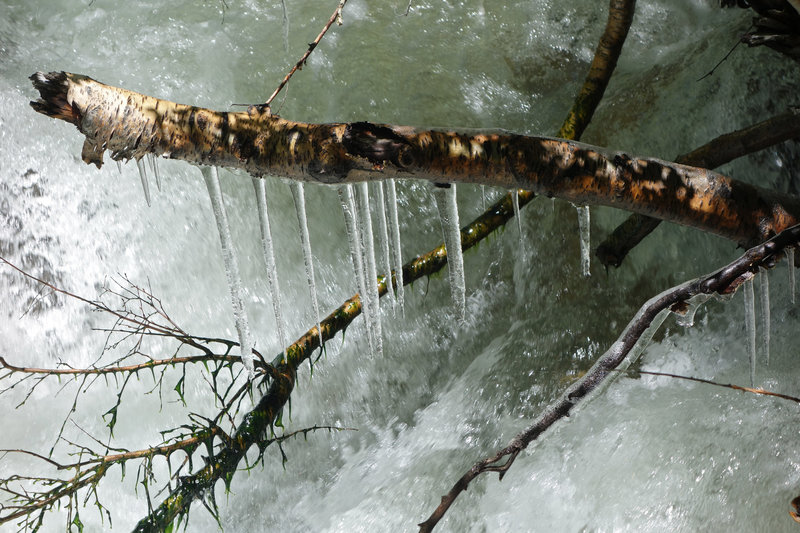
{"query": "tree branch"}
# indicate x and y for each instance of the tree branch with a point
(131, 125)
(177, 504)
(719, 151)
(627, 347)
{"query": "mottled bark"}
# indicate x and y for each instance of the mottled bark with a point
(719, 151)
(130, 125)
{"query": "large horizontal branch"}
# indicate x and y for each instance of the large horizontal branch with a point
(131, 125)
(715, 153)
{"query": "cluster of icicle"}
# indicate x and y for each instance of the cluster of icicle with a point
(359, 208)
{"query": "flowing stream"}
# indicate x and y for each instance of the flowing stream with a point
(647, 454)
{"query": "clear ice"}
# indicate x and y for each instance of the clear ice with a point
(750, 327)
(347, 198)
(765, 318)
(143, 177)
(790, 263)
(448, 215)
(269, 258)
(515, 201)
(370, 270)
(383, 235)
(299, 195)
(584, 224)
(394, 236)
(211, 177)
(151, 158)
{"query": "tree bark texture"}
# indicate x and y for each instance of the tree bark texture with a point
(131, 125)
(719, 151)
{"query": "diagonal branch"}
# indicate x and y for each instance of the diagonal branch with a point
(627, 347)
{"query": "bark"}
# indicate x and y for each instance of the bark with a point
(777, 25)
(719, 151)
(131, 125)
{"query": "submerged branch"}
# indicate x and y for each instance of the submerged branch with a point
(132, 125)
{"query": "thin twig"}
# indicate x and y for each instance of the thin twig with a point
(725, 385)
(335, 17)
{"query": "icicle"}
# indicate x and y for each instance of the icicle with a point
(448, 214)
(394, 236)
(584, 224)
(383, 235)
(285, 26)
(119, 165)
(483, 197)
(299, 195)
(154, 167)
(750, 327)
(686, 319)
(790, 262)
(370, 270)
(346, 196)
(143, 176)
(269, 258)
(765, 318)
(515, 199)
(211, 176)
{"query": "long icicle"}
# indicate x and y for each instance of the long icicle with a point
(347, 198)
(383, 236)
(368, 247)
(299, 195)
(765, 312)
(143, 177)
(151, 158)
(790, 263)
(584, 226)
(515, 198)
(750, 327)
(269, 257)
(397, 252)
(211, 177)
(447, 204)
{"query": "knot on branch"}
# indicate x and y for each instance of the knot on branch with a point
(378, 144)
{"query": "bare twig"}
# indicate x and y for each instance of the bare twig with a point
(335, 17)
(725, 385)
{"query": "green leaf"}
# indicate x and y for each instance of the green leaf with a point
(179, 387)
(113, 421)
(77, 523)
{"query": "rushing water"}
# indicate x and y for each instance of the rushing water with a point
(649, 454)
